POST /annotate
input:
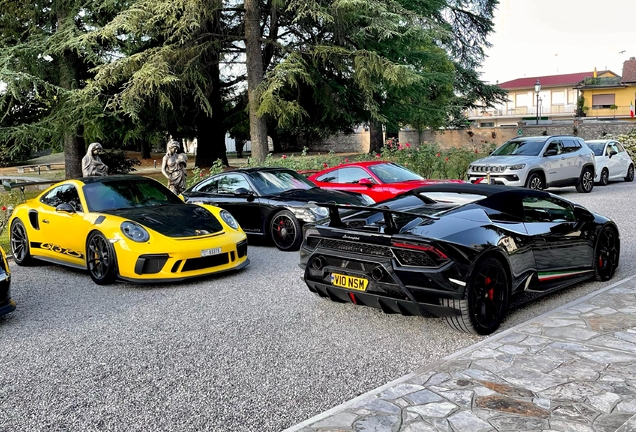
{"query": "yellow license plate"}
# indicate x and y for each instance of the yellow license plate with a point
(349, 282)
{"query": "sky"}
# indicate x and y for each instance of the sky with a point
(552, 37)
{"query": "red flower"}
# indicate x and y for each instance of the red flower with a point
(325, 165)
(400, 147)
(4, 208)
(438, 154)
(476, 151)
(377, 155)
(408, 145)
(346, 160)
(284, 156)
(201, 174)
(446, 159)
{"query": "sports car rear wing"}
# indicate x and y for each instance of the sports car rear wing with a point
(335, 219)
(9, 186)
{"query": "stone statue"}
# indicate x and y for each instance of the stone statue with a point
(92, 165)
(173, 167)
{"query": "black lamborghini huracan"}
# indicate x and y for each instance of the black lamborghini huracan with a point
(465, 252)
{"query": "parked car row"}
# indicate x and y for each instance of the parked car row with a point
(370, 233)
(554, 161)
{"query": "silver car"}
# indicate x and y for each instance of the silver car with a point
(538, 163)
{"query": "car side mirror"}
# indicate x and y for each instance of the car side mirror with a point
(366, 182)
(582, 214)
(243, 192)
(550, 152)
(612, 153)
(65, 208)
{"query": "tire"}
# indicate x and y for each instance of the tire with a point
(604, 177)
(19, 240)
(630, 174)
(101, 260)
(586, 181)
(485, 300)
(606, 255)
(535, 181)
(285, 231)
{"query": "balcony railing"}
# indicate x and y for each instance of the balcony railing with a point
(523, 111)
(620, 111)
(601, 82)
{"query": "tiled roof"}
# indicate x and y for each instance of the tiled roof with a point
(549, 81)
(629, 71)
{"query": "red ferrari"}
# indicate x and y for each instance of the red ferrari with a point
(380, 180)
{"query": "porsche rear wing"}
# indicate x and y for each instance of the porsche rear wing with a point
(335, 219)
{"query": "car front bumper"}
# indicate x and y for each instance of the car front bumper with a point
(178, 260)
(513, 179)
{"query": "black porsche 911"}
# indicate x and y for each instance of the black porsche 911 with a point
(460, 251)
(270, 202)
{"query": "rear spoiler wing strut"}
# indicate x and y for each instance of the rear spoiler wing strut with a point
(8, 186)
(391, 226)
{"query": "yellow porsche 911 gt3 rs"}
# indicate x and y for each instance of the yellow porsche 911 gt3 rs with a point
(126, 227)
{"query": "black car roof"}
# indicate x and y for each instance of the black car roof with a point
(505, 199)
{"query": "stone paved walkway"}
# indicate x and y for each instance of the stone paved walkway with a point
(572, 369)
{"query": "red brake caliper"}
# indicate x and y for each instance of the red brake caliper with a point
(491, 291)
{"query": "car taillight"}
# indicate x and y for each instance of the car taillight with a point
(425, 248)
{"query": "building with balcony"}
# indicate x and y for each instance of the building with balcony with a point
(556, 100)
(610, 97)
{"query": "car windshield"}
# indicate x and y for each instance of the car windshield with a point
(275, 182)
(520, 147)
(393, 173)
(110, 195)
(597, 148)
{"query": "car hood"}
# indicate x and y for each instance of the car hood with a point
(503, 160)
(172, 220)
(320, 196)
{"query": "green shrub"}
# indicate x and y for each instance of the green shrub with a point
(117, 161)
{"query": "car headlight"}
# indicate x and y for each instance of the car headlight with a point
(135, 232)
(229, 219)
(367, 199)
(310, 212)
(516, 167)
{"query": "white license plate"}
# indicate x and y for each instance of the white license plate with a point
(208, 252)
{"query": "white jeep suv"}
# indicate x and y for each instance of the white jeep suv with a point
(538, 163)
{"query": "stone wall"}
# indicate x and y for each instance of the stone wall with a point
(478, 136)
(358, 142)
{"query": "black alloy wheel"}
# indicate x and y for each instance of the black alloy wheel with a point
(607, 255)
(630, 174)
(604, 177)
(486, 300)
(535, 181)
(285, 231)
(586, 182)
(100, 259)
(19, 240)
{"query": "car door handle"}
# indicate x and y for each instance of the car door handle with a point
(45, 220)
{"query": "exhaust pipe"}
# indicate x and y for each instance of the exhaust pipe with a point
(378, 273)
(317, 263)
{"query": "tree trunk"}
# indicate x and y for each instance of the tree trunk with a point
(74, 145)
(145, 149)
(211, 129)
(376, 138)
(254, 62)
(210, 141)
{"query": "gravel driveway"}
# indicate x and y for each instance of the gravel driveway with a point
(250, 351)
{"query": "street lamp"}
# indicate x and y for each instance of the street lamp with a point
(537, 89)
